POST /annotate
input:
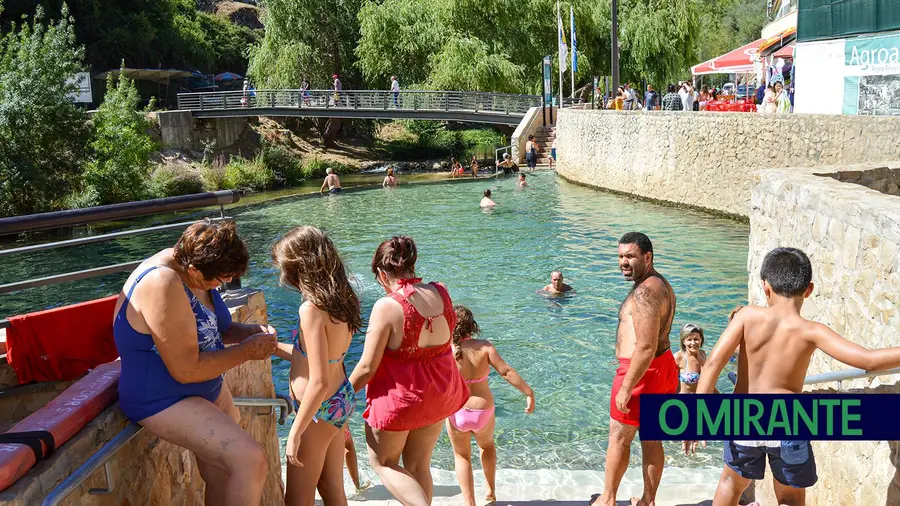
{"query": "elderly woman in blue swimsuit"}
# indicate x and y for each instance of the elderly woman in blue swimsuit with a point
(328, 317)
(171, 327)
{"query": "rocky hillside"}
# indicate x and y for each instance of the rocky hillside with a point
(244, 14)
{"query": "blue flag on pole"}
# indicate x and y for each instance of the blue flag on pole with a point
(574, 44)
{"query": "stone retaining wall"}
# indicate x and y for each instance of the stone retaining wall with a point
(180, 130)
(149, 471)
(707, 159)
(852, 236)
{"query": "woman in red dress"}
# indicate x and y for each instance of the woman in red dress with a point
(407, 365)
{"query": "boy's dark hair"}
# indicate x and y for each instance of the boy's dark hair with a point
(487, 193)
(787, 270)
(642, 241)
(670, 88)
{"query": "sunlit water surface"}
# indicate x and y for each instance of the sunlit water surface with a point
(492, 262)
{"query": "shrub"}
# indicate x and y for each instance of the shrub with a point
(171, 181)
(213, 175)
(283, 164)
(315, 168)
(120, 147)
(42, 133)
(250, 175)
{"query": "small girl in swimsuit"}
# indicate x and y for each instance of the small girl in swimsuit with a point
(329, 315)
(475, 357)
(691, 358)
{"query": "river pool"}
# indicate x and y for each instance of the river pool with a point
(492, 262)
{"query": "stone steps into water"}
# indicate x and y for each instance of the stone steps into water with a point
(680, 487)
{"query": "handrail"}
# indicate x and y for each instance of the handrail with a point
(56, 219)
(846, 374)
(836, 376)
(105, 453)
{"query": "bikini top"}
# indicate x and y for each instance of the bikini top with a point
(296, 334)
(689, 378)
(478, 380)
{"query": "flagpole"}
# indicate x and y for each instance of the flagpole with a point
(572, 38)
(561, 85)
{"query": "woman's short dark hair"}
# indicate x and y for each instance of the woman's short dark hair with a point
(213, 248)
(396, 256)
(487, 193)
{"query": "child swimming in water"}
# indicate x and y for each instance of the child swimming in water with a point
(475, 357)
(690, 358)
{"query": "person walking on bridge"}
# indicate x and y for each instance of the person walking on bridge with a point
(395, 90)
(338, 86)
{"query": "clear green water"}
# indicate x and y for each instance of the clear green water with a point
(493, 262)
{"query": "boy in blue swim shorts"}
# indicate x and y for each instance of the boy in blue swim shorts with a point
(777, 346)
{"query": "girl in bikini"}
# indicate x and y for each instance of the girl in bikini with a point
(690, 359)
(475, 357)
(329, 315)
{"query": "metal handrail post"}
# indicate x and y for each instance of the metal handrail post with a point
(107, 451)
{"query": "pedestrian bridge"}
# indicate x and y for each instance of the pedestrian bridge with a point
(474, 107)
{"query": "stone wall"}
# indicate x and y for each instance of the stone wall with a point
(852, 236)
(149, 471)
(707, 159)
(180, 130)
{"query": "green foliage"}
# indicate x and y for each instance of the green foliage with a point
(42, 133)
(171, 181)
(429, 140)
(315, 168)
(306, 38)
(660, 38)
(151, 34)
(283, 164)
(729, 24)
(467, 64)
(121, 147)
(213, 174)
(399, 37)
(249, 175)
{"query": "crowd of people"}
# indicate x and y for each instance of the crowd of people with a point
(424, 367)
(684, 96)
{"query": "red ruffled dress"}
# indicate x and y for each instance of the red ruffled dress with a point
(415, 387)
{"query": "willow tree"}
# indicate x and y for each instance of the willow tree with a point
(307, 39)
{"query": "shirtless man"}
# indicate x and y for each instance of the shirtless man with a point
(777, 344)
(331, 181)
(646, 366)
(487, 202)
(556, 285)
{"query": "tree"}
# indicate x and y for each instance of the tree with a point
(42, 132)
(659, 38)
(466, 64)
(119, 167)
(311, 39)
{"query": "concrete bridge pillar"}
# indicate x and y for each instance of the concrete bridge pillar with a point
(180, 130)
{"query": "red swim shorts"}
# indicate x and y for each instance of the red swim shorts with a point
(661, 378)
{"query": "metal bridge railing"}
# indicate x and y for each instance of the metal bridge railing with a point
(416, 100)
(35, 222)
(109, 450)
(836, 376)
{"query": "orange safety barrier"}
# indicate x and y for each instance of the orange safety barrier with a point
(35, 437)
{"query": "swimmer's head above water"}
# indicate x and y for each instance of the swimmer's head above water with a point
(487, 193)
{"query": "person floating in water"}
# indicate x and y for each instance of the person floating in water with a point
(331, 181)
(390, 180)
(557, 286)
(486, 202)
(521, 183)
(475, 358)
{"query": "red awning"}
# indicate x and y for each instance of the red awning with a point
(785, 52)
(737, 61)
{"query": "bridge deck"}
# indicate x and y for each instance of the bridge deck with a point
(496, 108)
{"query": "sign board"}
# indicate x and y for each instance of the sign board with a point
(872, 75)
(548, 85)
(83, 81)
